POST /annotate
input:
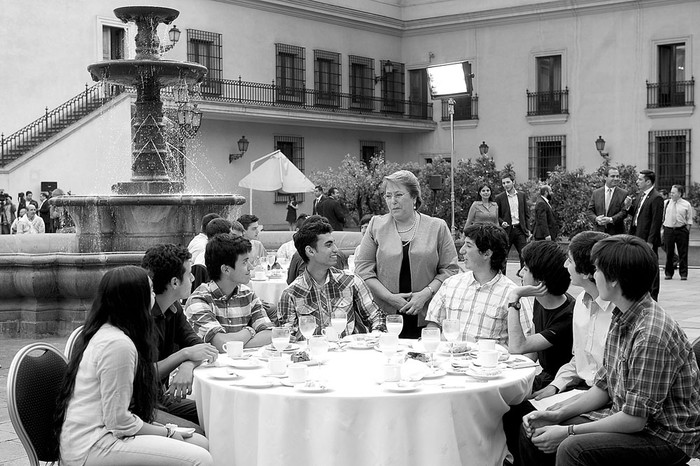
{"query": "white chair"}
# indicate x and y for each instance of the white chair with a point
(71, 341)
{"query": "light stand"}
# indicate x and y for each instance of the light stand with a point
(451, 111)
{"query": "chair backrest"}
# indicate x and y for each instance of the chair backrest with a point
(71, 341)
(200, 274)
(696, 350)
(33, 384)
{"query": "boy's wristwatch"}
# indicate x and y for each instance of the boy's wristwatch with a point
(515, 305)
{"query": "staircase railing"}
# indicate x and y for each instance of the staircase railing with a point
(23, 140)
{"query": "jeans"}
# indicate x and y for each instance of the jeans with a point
(148, 450)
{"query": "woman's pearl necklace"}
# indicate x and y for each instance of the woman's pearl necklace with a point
(408, 229)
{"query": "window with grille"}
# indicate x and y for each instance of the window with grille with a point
(545, 154)
(672, 82)
(669, 157)
(548, 100)
(393, 88)
(361, 82)
(369, 149)
(205, 48)
(418, 93)
(327, 78)
(293, 148)
(291, 71)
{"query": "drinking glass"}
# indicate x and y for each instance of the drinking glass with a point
(389, 344)
(270, 260)
(280, 338)
(307, 327)
(339, 321)
(318, 348)
(450, 330)
(430, 336)
(394, 323)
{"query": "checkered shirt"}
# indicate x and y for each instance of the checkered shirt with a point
(341, 290)
(209, 311)
(649, 370)
(482, 310)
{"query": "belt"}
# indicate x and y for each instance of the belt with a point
(684, 227)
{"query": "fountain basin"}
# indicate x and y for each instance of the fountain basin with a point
(133, 72)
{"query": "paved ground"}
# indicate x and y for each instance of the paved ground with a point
(678, 298)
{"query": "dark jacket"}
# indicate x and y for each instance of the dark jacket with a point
(545, 223)
(651, 216)
(504, 211)
(616, 210)
(333, 211)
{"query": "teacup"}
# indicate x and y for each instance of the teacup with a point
(392, 373)
(234, 349)
(488, 358)
(486, 345)
(277, 365)
(297, 372)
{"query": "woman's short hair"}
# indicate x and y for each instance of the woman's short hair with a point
(487, 236)
(545, 259)
(580, 250)
(482, 186)
(627, 260)
(409, 181)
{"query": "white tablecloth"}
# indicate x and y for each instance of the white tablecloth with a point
(269, 290)
(357, 422)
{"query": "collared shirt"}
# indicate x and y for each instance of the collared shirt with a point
(36, 225)
(482, 310)
(197, 246)
(591, 323)
(641, 203)
(258, 250)
(209, 311)
(649, 370)
(683, 210)
(173, 332)
(341, 290)
(514, 212)
(287, 250)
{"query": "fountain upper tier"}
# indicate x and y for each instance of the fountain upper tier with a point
(134, 72)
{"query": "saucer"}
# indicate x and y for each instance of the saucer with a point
(251, 363)
(400, 387)
(435, 373)
(291, 348)
(288, 383)
(229, 375)
(312, 387)
(256, 383)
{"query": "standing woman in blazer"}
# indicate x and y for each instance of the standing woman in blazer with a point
(405, 255)
(485, 210)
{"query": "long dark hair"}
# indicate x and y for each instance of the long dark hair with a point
(123, 300)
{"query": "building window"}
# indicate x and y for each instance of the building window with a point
(205, 48)
(327, 78)
(545, 154)
(293, 148)
(418, 93)
(361, 71)
(549, 99)
(291, 71)
(669, 157)
(113, 43)
(393, 92)
(369, 149)
(466, 108)
(672, 88)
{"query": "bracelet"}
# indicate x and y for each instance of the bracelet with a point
(432, 293)
(251, 330)
(169, 431)
(571, 430)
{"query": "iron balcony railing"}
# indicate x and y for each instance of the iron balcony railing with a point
(272, 95)
(548, 102)
(54, 121)
(466, 108)
(671, 94)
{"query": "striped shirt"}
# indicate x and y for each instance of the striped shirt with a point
(482, 310)
(649, 370)
(341, 290)
(209, 311)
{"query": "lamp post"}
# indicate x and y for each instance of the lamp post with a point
(451, 111)
(242, 148)
(600, 147)
(483, 148)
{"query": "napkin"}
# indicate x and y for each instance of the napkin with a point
(414, 370)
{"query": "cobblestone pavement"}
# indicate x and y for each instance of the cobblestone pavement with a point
(679, 298)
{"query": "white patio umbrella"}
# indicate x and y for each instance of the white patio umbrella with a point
(277, 173)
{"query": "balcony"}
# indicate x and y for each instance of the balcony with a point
(671, 99)
(547, 107)
(238, 99)
(466, 108)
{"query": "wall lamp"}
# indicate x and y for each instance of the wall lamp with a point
(174, 36)
(388, 68)
(242, 147)
(483, 148)
(600, 147)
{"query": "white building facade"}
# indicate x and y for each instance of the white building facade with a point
(320, 80)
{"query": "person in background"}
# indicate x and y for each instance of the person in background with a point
(252, 230)
(322, 289)
(225, 309)
(546, 227)
(287, 250)
(178, 348)
(13, 227)
(292, 208)
(199, 242)
(405, 256)
(606, 209)
(649, 375)
(485, 210)
(7, 213)
(31, 223)
(44, 210)
(62, 221)
(21, 201)
(364, 223)
(513, 215)
(678, 219)
(297, 264)
(319, 197)
(29, 200)
(332, 209)
(106, 408)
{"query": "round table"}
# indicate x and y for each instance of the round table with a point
(269, 290)
(357, 422)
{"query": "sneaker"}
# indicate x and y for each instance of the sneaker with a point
(684, 278)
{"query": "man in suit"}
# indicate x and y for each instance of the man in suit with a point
(332, 210)
(647, 213)
(606, 209)
(318, 192)
(513, 215)
(546, 227)
(45, 211)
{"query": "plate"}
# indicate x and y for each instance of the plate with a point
(251, 363)
(476, 364)
(361, 345)
(293, 347)
(483, 374)
(398, 351)
(277, 376)
(444, 348)
(229, 375)
(256, 383)
(288, 383)
(312, 387)
(315, 362)
(400, 387)
(435, 373)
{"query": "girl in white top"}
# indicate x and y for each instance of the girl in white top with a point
(108, 400)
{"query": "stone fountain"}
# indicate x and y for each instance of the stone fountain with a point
(48, 282)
